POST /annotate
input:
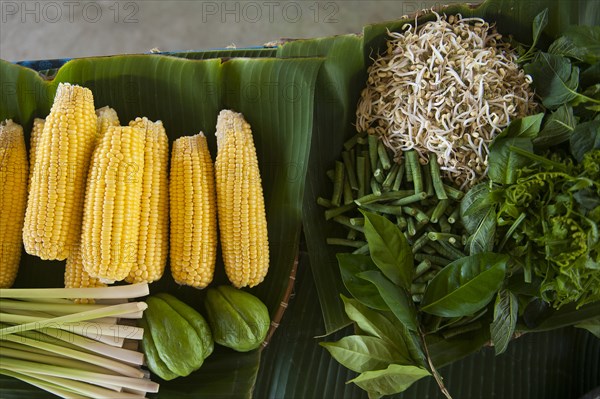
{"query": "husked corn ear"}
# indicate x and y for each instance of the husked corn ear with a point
(193, 212)
(106, 117)
(240, 202)
(63, 152)
(77, 277)
(13, 198)
(111, 213)
(34, 139)
(153, 245)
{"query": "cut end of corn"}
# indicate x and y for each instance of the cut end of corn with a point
(241, 206)
(193, 212)
(63, 150)
(13, 198)
(107, 117)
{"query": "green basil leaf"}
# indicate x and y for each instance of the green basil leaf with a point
(539, 23)
(592, 326)
(482, 239)
(389, 249)
(558, 127)
(565, 47)
(528, 126)
(555, 80)
(474, 205)
(365, 292)
(587, 38)
(362, 353)
(505, 320)
(465, 285)
(505, 163)
(395, 378)
(385, 326)
(396, 298)
(585, 137)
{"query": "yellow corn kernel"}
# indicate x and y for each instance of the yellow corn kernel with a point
(153, 244)
(111, 212)
(36, 132)
(106, 117)
(13, 198)
(63, 152)
(240, 202)
(193, 212)
(77, 277)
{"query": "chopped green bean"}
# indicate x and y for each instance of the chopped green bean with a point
(410, 228)
(361, 140)
(391, 195)
(435, 260)
(350, 170)
(362, 250)
(444, 251)
(398, 179)
(360, 174)
(439, 210)
(457, 252)
(351, 142)
(417, 288)
(324, 202)
(338, 183)
(387, 209)
(445, 227)
(379, 175)
(408, 169)
(417, 298)
(383, 155)
(391, 176)
(345, 221)
(357, 221)
(401, 222)
(453, 193)
(348, 197)
(333, 212)
(375, 187)
(438, 185)
(373, 155)
(412, 159)
(419, 243)
(427, 276)
(410, 199)
(428, 181)
(352, 234)
(435, 236)
(453, 218)
(345, 243)
(422, 267)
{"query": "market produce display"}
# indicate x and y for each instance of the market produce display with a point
(452, 181)
(521, 240)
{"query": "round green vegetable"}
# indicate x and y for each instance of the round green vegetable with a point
(238, 320)
(176, 339)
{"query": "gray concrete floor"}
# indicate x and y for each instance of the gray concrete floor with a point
(47, 29)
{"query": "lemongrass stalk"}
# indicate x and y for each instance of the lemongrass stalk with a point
(114, 310)
(83, 388)
(105, 362)
(25, 348)
(80, 343)
(46, 386)
(108, 330)
(46, 300)
(105, 320)
(113, 292)
(80, 375)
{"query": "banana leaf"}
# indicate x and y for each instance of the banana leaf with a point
(275, 95)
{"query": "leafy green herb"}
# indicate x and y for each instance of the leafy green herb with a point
(592, 326)
(364, 291)
(465, 285)
(482, 239)
(395, 378)
(526, 127)
(539, 23)
(565, 47)
(504, 163)
(585, 137)
(555, 79)
(586, 38)
(505, 320)
(389, 249)
(558, 127)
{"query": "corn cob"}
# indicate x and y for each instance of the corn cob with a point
(77, 277)
(106, 117)
(154, 218)
(111, 214)
(54, 205)
(193, 212)
(36, 132)
(240, 202)
(13, 198)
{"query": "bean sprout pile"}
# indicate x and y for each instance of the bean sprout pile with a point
(446, 87)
